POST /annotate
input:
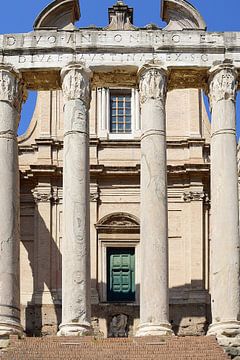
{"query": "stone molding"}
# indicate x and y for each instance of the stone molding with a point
(12, 89)
(152, 83)
(76, 83)
(222, 83)
(118, 222)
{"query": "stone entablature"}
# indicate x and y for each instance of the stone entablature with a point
(178, 50)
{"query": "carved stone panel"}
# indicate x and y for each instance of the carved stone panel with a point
(118, 326)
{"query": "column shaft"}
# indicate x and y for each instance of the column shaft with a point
(224, 277)
(76, 286)
(10, 105)
(154, 303)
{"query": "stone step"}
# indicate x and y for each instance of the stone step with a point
(89, 348)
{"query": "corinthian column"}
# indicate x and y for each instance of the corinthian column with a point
(154, 303)
(224, 277)
(11, 95)
(76, 286)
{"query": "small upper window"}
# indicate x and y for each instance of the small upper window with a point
(120, 112)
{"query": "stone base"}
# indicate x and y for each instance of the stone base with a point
(154, 330)
(228, 336)
(75, 330)
(228, 330)
(8, 329)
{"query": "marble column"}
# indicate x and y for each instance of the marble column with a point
(224, 274)
(11, 96)
(76, 285)
(154, 302)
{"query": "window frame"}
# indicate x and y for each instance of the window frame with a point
(120, 112)
(104, 116)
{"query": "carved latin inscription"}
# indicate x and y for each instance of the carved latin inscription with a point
(153, 84)
(11, 88)
(222, 84)
(76, 84)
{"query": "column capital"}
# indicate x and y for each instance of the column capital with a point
(222, 83)
(152, 82)
(76, 83)
(42, 194)
(12, 89)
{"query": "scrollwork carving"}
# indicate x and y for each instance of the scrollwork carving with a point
(12, 89)
(153, 84)
(76, 84)
(195, 196)
(94, 196)
(42, 196)
(222, 83)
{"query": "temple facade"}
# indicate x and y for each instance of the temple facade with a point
(128, 197)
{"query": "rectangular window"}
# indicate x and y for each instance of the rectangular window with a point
(121, 274)
(120, 112)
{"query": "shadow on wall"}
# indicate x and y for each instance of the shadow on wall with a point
(190, 312)
(43, 319)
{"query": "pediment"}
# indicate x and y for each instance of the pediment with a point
(60, 14)
(181, 15)
(118, 222)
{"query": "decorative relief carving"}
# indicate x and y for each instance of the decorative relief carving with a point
(222, 83)
(153, 84)
(118, 326)
(94, 196)
(76, 84)
(118, 222)
(12, 89)
(195, 196)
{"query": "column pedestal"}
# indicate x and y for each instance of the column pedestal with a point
(154, 303)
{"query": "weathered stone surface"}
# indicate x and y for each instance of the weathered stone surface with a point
(59, 14)
(154, 310)
(11, 97)
(76, 311)
(181, 15)
(224, 204)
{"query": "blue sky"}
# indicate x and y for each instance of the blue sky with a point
(19, 15)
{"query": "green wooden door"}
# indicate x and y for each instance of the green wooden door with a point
(121, 274)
